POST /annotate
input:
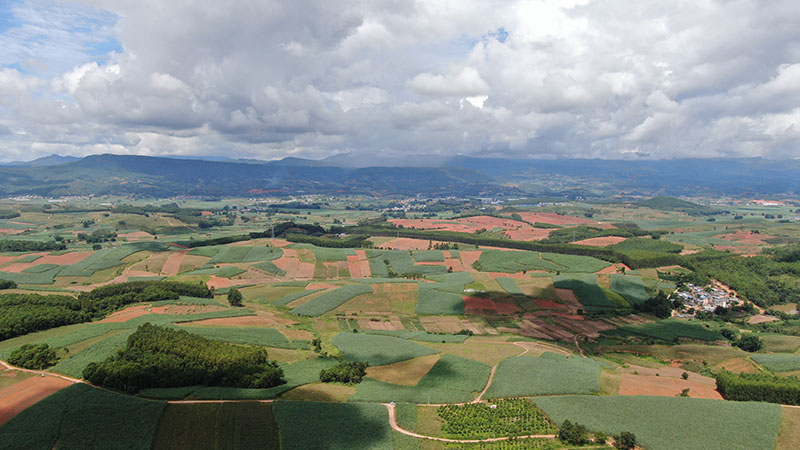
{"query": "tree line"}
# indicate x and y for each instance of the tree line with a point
(7, 245)
(759, 387)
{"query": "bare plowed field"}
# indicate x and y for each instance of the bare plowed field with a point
(631, 384)
(16, 398)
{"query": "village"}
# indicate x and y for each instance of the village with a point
(706, 298)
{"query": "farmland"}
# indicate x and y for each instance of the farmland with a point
(463, 312)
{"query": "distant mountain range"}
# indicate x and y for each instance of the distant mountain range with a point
(459, 176)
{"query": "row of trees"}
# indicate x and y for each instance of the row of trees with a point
(759, 387)
(8, 245)
(164, 357)
(36, 357)
(348, 372)
(108, 298)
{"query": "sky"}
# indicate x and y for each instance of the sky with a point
(269, 79)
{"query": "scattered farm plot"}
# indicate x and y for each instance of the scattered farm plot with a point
(404, 373)
(331, 300)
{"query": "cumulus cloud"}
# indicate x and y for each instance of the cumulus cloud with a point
(519, 78)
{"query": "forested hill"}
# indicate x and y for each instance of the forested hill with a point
(166, 177)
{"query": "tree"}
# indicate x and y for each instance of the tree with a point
(728, 333)
(235, 297)
(685, 375)
(749, 343)
(572, 433)
(625, 440)
(35, 357)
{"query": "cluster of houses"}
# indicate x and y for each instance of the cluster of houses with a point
(706, 298)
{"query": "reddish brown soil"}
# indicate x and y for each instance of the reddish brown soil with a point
(761, 318)
(476, 305)
(555, 219)
(11, 231)
(63, 260)
(528, 234)
(137, 236)
(738, 365)
(614, 268)
(631, 384)
(181, 310)
(601, 241)
(16, 398)
(17, 267)
(242, 321)
(127, 314)
(406, 244)
(455, 264)
(468, 258)
(549, 305)
(173, 264)
(6, 259)
(295, 269)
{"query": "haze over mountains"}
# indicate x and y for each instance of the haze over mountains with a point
(459, 176)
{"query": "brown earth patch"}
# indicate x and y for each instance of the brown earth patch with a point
(404, 373)
(555, 219)
(7, 259)
(16, 398)
(631, 384)
(64, 260)
(528, 234)
(614, 268)
(569, 299)
(137, 236)
(452, 325)
(601, 241)
(182, 310)
(455, 264)
(295, 334)
(173, 264)
(738, 365)
(477, 305)
(406, 244)
(127, 314)
(259, 320)
(469, 257)
(17, 267)
(761, 318)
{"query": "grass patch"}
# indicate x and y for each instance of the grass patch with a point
(778, 363)
(630, 287)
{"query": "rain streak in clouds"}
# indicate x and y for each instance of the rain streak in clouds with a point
(269, 79)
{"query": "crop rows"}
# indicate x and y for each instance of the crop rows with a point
(508, 417)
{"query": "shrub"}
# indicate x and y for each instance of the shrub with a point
(7, 284)
(625, 440)
(759, 387)
(35, 357)
(749, 343)
(572, 433)
(235, 297)
(348, 372)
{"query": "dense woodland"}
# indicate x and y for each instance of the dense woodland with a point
(759, 387)
(164, 357)
(7, 245)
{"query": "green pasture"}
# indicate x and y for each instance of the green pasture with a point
(378, 350)
(545, 375)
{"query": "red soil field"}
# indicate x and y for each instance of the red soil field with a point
(407, 244)
(631, 384)
(745, 237)
(11, 231)
(476, 305)
(528, 234)
(518, 275)
(127, 314)
(468, 258)
(455, 264)
(601, 241)
(17, 267)
(6, 259)
(63, 260)
(549, 305)
(614, 268)
(242, 321)
(173, 264)
(553, 218)
(16, 398)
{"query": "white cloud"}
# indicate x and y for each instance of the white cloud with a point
(590, 78)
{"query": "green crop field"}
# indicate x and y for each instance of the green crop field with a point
(421, 336)
(378, 350)
(509, 285)
(103, 259)
(331, 300)
(778, 363)
(514, 261)
(667, 330)
(630, 287)
(428, 256)
(289, 298)
(400, 262)
(225, 272)
(443, 297)
(81, 417)
(546, 375)
(267, 337)
(576, 263)
(217, 426)
(650, 245)
(333, 426)
(668, 423)
(332, 254)
(451, 379)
